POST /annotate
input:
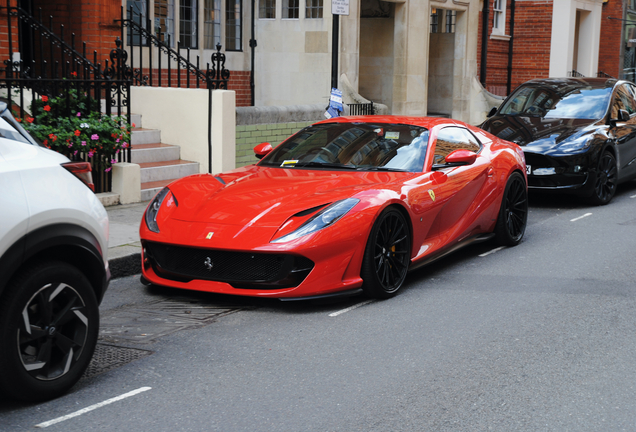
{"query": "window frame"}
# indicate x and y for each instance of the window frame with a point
(239, 27)
(194, 21)
(287, 8)
(265, 7)
(499, 17)
(314, 7)
(214, 24)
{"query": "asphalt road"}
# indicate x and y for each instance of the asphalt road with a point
(541, 337)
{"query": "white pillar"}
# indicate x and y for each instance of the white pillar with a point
(223, 131)
(127, 182)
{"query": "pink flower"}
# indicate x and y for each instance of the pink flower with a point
(108, 169)
(70, 145)
(94, 137)
(91, 153)
(117, 140)
(79, 114)
(117, 152)
(83, 143)
(113, 161)
(124, 145)
(75, 152)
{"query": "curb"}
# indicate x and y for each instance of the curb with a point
(125, 266)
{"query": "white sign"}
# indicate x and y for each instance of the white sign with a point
(340, 7)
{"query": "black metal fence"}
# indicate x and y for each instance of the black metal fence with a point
(56, 69)
(361, 109)
(154, 62)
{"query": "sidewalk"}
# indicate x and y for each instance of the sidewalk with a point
(124, 247)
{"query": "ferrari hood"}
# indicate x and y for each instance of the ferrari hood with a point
(268, 196)
(535, 131)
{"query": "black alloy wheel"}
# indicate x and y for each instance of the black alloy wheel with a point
(513, 214)
(49, 322)
(606, 180)
(387, 255)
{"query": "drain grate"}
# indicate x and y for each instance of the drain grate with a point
(108, 357)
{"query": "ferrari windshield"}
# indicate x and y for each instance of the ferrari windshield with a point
(558, 102)
(359, 146)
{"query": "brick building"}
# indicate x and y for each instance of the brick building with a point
(528, 39)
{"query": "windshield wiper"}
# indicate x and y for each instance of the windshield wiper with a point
(314, 164)
(378, 168)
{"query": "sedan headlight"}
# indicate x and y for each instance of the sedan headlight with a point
(576, 145)
(153, 209)
(328, 216)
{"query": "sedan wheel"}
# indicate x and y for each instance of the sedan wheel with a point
(49, 321)
(513, 214)
(605, 186)
(387, 255)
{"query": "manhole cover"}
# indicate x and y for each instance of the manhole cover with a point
(107, 357)
(144, 323)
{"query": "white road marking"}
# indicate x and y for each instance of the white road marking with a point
(633, 196)
(492, 251)
(92, 407)
(581, 217)
(340, 312)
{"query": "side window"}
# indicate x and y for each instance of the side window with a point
(454, 138)
(623, 100)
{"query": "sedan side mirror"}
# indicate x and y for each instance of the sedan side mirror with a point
(262, 150)
(623, 115)
(461, 157)
(492, 112)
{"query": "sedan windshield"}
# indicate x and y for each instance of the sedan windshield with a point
(565, 102)
(355, 146)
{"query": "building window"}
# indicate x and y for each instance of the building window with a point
(188, 34)
(164, 21)
(267, 9)
(211, 23)
(499, 17)
(451, 19)
(136, 12)
(290, 9)
(313, 9)
(434, 19)
(233, 23)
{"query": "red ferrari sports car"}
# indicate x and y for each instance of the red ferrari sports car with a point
(345, 206)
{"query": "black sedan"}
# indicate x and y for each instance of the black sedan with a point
(578, 134)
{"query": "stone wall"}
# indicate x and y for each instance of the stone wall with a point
(271, 124)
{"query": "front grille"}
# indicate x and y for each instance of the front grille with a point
(239, 269)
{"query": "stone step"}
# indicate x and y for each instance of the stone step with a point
(145, 136)
(150, 189)
(136, 120)
(155, 152)
(165, 170)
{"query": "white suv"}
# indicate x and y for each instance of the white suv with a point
(53, 266)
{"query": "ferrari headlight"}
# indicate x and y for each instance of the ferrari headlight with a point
(576, 145)
(153, 210)
(326, 217)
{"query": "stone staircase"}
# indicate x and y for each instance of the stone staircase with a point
(160, 163)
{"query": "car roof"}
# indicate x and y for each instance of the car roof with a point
(426, 122)
(596, 83)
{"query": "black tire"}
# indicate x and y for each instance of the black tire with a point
(513, 213)
(49, 323)
(606, 180)
(387, 255)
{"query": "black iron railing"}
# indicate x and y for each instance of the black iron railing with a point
(601, 74)
(55, 69)
(361, 109)
(166, 66)
(575, 74)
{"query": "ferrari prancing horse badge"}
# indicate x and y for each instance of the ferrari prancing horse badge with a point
(432, 194)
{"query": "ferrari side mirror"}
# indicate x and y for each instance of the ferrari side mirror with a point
(623, 115)
(262, 150)
(461, 157)
(492, 112)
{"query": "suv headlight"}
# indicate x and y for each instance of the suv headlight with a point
(326, 217)
(576, 145)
